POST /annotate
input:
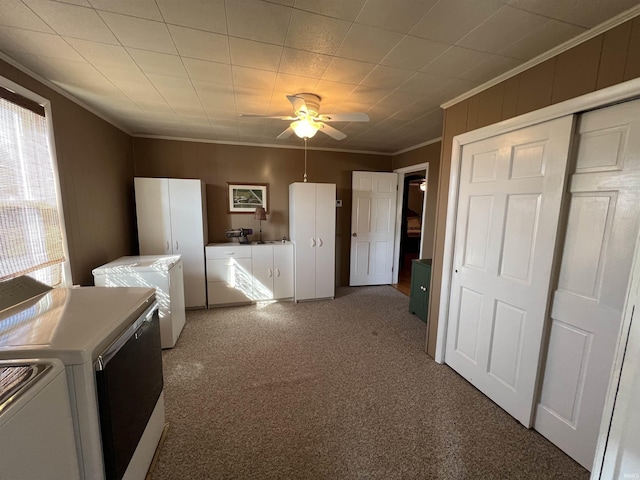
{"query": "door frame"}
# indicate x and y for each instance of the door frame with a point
(617, 397)
(402, 173)
(607, 96)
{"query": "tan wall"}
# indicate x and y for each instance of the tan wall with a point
(605, 60)
(217, 164)
(428, 154)
(96, 179)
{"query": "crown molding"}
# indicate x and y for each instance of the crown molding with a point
(563, 47)
(60, 91)
(415, 147)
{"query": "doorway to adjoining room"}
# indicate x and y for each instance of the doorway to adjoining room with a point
(411, 226)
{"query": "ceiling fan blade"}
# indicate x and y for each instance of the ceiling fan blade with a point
(298, 103)
(279, 117)
(332, 132)
(344, 117)
(286, 134)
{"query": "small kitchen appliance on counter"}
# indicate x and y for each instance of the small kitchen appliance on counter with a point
(241, 234)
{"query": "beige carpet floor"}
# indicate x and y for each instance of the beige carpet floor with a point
(336, 389)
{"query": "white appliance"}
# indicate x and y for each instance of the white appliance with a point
(162, 272)
(36, 427)
(172, 220)
(312, 227)
(95, 332)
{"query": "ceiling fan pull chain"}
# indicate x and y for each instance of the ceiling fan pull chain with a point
(305, 159)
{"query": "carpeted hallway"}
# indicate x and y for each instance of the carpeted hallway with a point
(336, 389)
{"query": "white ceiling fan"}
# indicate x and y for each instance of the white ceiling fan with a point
(307, 120)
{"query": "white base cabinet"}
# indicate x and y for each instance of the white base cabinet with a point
(272, 271)
(172, 220)
(229, 274)
(241, 274)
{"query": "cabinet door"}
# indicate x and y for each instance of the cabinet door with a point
(153, 216)
(187, 237)
(325, 226)
(303, 233)
(230, 280)
(283, 271)
(176, 304)
(420, 277)
(263, 272)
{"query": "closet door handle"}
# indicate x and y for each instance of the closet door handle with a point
(177, 247)
(270, 273)
(277, 272)
(320, 243)
(313, 242)
(167, 245)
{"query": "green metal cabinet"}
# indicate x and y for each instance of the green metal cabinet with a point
(420, 278)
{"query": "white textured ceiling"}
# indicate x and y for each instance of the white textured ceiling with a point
(188, 68)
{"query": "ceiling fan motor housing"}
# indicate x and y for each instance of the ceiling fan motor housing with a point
(313, 103)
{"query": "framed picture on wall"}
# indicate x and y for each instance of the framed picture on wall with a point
(245, 198)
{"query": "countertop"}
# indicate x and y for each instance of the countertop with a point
(238, 244)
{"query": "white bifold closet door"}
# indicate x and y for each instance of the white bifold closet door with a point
(510, 193)
(602, 225)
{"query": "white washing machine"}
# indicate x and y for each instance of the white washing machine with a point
(36, 427)
(162, 272)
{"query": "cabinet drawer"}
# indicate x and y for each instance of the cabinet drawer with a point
(222, 293)
(231, 251)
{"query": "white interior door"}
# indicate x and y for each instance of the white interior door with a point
(372, 227)
(587, 305)
(509, 203)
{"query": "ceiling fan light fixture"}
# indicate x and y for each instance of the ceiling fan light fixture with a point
(305, 128)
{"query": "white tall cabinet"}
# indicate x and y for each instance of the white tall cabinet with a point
(312, 227)
(172, 219)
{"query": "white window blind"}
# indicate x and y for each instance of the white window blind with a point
(30, 232)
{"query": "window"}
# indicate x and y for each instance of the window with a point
(31, 234)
